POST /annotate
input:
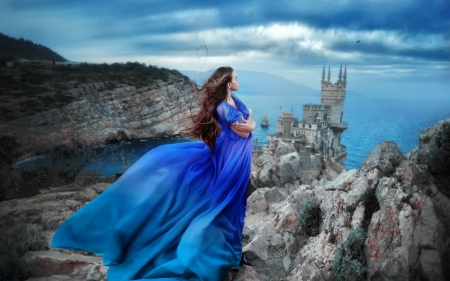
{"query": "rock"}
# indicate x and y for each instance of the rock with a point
(275, 194)
(429, 232)
(400, 231)
(248, 273)
(256, 249)
(431, 264)
(289, 169)
(284, 148)
(257, 201)
(429, 144)
(54, 263)
(338, 201)
(386, 157)
(412, 174)
(50, 208)
(277, 242)
(271, 170)
(98, 115)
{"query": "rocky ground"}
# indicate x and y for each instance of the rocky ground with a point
(393, 199)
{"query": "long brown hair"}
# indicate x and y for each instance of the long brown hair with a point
(213, 91)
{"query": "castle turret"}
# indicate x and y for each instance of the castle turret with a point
(340, 74)
(329, 75)
(323, 74)
(345, 76)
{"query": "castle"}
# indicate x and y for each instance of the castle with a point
(319, 131)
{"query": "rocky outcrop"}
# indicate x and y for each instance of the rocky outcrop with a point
(385, 157)
(393, 200)
(280, 167)
(99, 114)
(51, 208)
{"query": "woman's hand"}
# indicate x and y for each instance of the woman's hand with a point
(248, 125)
(243, 129)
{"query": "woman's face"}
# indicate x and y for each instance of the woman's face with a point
(234, 84)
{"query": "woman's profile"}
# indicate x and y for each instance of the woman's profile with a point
(178, 212)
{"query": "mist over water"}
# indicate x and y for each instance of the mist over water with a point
(370, 120)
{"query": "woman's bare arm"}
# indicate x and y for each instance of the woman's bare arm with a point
(240, 133)
(243, 129)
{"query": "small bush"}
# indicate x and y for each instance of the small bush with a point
(310, 218)
(15, 243)
(350, 260)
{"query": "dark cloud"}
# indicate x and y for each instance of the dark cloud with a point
(406, 16)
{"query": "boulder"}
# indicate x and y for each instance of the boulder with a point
(386, 157)
(284, 148)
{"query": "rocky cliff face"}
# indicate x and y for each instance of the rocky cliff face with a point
(392, 199)
(98, 114)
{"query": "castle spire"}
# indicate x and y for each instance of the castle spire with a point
(329, 75)
(292, 110)
(345, 75)
(323, 74)
(281, 112)
(340, 74)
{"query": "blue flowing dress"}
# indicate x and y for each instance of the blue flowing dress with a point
(175, 214)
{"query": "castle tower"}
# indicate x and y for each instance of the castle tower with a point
(333, 94)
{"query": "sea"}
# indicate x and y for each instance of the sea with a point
(370, 121)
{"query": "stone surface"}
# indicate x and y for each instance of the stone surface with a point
(386, 157)
(49, 209)
(52, 264)
(98, 115)
(284, 148)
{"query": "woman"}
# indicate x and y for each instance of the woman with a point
(178, 212)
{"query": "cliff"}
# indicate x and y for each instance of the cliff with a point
(83, 104)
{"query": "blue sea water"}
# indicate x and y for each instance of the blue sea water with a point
(370, 120)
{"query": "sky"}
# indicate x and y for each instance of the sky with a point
(391, 48)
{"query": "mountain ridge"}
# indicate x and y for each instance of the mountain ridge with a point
(266, 84)
(12, 48)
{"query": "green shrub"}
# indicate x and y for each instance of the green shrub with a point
(310, 218)
(349, 263)
(15, 243)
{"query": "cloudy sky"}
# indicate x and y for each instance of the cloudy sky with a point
(392, 48)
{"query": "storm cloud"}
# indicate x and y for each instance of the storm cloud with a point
(377, 40)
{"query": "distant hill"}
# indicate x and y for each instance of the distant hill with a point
(20, 48)
(261, 83)
(265, 84)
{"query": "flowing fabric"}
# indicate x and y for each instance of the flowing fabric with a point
(175, 214)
